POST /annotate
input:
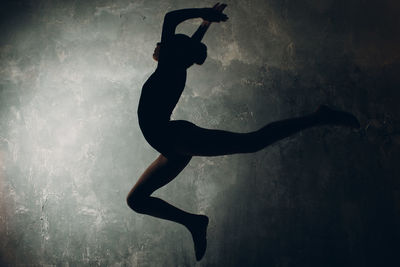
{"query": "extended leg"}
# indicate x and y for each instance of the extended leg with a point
(189, 139)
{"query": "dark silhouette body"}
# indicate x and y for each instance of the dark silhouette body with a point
(179, 140)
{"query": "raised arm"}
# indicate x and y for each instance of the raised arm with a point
(173, 18)
(199, 34)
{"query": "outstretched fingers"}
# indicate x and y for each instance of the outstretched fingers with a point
(216, 5)
(220, 7)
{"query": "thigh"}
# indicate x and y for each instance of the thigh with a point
(159, 173)
(186, 138)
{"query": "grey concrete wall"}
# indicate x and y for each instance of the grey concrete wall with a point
(70, 146)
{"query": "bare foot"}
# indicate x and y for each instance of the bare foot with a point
(331, 116)
(198, 229)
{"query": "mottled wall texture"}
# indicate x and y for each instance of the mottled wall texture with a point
(70, 146)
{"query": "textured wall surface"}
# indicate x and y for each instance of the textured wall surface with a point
(70, 146)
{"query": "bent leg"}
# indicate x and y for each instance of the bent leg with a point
(190, 139)
(159, 173)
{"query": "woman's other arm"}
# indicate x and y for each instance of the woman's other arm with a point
(199, 34)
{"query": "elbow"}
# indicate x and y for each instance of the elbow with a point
(169, 20)
(169, 16)
(174, 16)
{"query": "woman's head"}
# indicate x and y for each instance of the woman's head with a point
(181, 50)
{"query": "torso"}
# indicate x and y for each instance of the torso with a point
(159, 96)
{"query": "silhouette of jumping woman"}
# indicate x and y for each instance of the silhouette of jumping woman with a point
(179, 140)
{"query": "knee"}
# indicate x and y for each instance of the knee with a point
(136, 202)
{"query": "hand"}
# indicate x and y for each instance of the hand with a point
(214, 14)
(219, 7)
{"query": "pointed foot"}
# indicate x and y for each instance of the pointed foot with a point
(198, 229)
